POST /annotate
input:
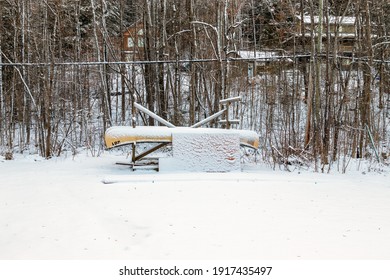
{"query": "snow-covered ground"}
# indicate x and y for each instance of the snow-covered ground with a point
(62, 209)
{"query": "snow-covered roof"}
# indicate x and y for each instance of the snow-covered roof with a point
(343, 35)
(258, 54)
(347, 22)
(331, 19)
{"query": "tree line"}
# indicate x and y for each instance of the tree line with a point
(65, 77)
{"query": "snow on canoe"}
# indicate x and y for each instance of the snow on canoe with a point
(123, 135)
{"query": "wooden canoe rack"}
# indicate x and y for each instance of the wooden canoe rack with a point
(163, 135)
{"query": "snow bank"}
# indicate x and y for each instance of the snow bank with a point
(60, 209)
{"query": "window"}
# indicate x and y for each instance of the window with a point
(130, 42)
(140, 42)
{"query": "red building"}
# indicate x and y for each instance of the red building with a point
(133, 42)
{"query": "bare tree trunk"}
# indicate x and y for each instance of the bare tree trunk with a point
(103, 80)
(329, 88)
(161, 46)
(307, 77)
(122, 67)
(219, 93)
(365, 106)
(48, 89)
(317, 98)
(2, 105)
(193, 48)
(176, 83)
(150, 55)
(105, 75)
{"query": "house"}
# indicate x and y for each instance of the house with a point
(252, 63)
(342, 29)
(133, 42)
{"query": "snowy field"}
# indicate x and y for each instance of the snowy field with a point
(62, 209)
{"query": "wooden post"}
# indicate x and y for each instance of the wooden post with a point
(372, 143)
(208, 119)
(227, 102)
(153, 115)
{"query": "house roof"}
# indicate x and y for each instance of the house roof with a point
(263, 55)
(257, 54)
(341, 21)
(134, 29)
(331, 19)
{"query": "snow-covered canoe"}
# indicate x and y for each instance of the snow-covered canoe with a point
(123, 135)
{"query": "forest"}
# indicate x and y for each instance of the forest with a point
(313, 75)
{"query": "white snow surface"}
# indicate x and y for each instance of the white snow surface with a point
(61, 209)
(212, 151)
